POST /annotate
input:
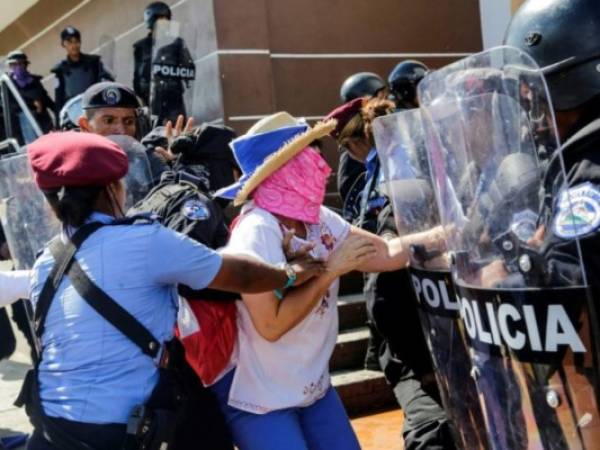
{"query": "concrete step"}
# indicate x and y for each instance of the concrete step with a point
(363, 391)
(349, 352)
(352, 311)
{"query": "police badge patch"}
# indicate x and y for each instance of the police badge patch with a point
(111, 96)
(578, 211)
(195, 210)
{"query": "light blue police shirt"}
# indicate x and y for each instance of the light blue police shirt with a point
(90, 372)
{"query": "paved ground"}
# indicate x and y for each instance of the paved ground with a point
(380, 431)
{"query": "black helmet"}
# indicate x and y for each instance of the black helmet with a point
(155, 10)
(68, 118)
(70, 32)
(562, 37)
(361, 84)
(17, 56)
(403, 81)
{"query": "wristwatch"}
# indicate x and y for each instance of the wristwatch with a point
(291, 279)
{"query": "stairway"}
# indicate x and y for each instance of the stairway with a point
(362, 391)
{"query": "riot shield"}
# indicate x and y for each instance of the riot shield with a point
(527, 313)
(138, 180)
(173, 70)
(400, 143)
(27, 220)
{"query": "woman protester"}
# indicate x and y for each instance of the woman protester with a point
(105, 296)
(277, 391)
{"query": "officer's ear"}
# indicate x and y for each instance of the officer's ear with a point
(84, 123)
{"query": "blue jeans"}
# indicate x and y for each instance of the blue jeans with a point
(324, 425)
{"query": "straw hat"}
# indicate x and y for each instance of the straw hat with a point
(267, 146)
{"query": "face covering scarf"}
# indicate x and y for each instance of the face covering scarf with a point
(21, 75)
(297, 189)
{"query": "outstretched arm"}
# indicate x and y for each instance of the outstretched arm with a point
(13, 286)
(245, 274)
(393, 254)
(273, 317)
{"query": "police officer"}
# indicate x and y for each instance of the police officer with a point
(111, 108)
(561, 36)
(163, 93)
(33, 93)
(562, 41)
(77, 71)
(403, 81)
(351, 170)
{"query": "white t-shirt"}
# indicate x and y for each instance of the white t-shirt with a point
(293, 371)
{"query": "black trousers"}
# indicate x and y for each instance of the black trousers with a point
(425, 422)
(99, 437)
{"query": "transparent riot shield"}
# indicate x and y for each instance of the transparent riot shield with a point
(26, 218)
(138, 181)
(400, 143)
(173, 69)
(519, 278)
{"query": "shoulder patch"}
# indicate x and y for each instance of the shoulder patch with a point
(195, 210)
(578, 211)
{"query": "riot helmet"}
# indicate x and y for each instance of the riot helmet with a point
(70, 114)
(403, 81)
(155, 10)
(361, 84)
(562, 37)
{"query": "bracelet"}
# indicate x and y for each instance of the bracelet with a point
(291, 275)
(291, 279)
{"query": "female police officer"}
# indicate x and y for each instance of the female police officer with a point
(108, 310)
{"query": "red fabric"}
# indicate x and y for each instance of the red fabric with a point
(76, 159)
(209, 350)
(343, 114)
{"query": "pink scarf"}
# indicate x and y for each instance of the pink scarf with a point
(297, 189)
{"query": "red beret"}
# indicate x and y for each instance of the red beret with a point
(76, 159)
(343, 114)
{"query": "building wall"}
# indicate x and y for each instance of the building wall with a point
(304, 49)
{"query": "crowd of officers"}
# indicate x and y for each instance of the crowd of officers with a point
(192, 162)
